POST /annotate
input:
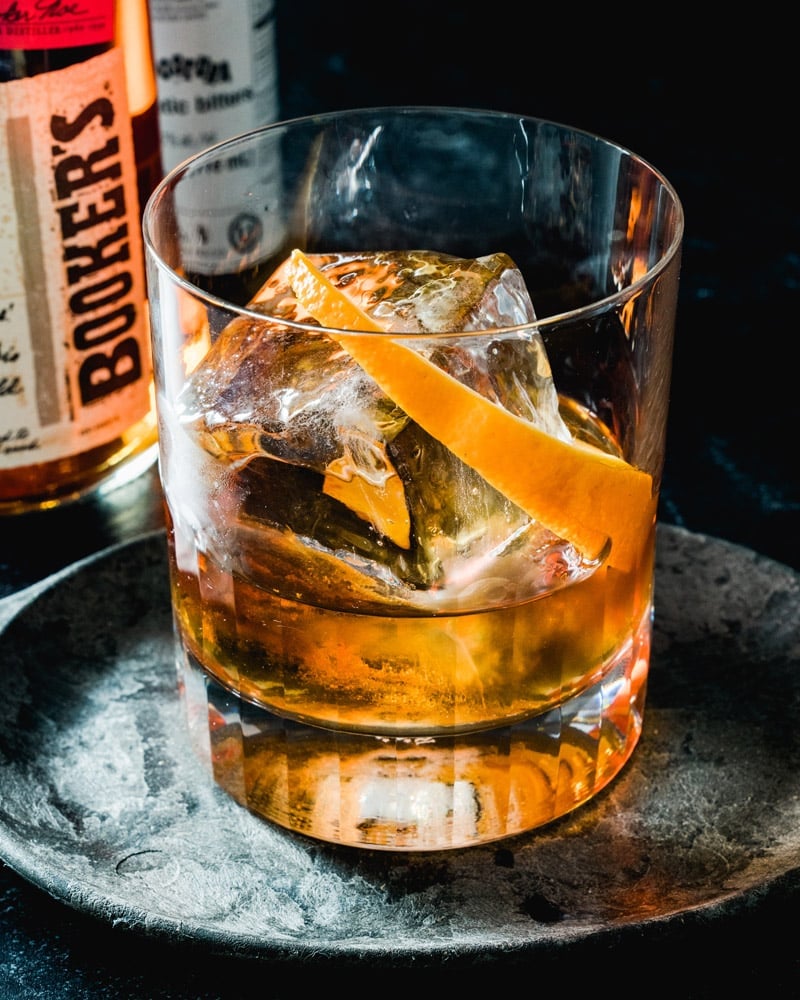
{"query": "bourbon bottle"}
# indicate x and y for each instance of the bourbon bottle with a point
(79, 154)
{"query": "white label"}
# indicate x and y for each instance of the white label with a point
(216, 71)
(227, 210)
(74, 337)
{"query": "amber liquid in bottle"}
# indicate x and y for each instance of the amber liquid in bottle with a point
(102, 464)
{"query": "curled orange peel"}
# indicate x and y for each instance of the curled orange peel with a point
(582, 494)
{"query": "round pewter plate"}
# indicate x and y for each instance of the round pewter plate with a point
(103, 805)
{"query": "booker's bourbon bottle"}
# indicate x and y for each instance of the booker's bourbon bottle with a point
(79, 153)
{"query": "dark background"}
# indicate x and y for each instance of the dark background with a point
(713, 106)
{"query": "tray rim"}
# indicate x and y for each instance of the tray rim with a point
(198, 934)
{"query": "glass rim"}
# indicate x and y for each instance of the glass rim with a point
(554, 320)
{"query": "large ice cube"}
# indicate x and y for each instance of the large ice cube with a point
(417, 291)
(369, 484)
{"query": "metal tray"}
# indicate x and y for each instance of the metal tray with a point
(103, 805)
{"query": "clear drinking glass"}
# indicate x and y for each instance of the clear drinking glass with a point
(412, 568)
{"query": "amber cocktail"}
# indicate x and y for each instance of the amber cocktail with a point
(412, 404)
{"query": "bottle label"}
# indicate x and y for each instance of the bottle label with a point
(74, 337)
(216, 71)
(217, 77)
(55, 24)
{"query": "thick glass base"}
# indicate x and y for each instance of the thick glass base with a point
(419, 793)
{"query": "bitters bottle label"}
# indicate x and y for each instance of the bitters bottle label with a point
(217, 78)
(74, 337)
(216, 69)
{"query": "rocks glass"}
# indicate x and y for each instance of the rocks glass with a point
(412, 373)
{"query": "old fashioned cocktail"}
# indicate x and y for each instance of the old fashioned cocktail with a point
(412, 426)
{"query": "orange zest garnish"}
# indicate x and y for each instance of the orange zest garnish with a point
(383, 505)
(582, 494)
